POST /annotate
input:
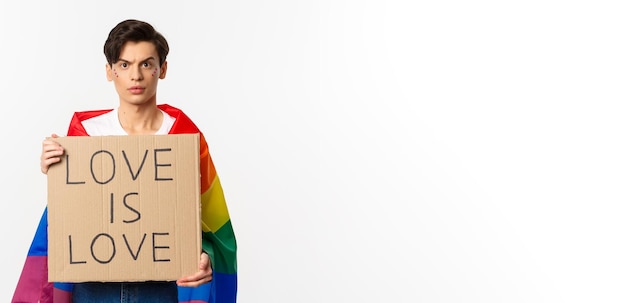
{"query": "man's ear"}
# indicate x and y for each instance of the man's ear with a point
(163, 70)
(109, 72)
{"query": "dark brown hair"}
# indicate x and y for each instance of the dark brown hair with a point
(135, 31)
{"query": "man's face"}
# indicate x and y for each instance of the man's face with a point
(136, 73)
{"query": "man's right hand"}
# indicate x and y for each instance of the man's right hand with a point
(51, 153)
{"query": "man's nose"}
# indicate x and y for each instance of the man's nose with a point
(136, 74)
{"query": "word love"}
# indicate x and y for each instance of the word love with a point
(105, 256)
(109, 163)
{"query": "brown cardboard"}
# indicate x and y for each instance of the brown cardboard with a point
(110, 218)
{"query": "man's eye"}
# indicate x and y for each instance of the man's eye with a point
(124, 65)
(146, 64)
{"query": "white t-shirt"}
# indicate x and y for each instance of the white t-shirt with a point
(108, 124)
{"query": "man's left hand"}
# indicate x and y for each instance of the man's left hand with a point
(202, 276)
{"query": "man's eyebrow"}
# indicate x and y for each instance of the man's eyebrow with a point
(144, 60)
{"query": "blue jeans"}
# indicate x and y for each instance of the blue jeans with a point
(129, 292)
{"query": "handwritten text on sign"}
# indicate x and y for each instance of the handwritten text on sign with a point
(124, 208)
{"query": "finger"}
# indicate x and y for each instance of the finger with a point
(203, 275)
(50, 158)
(45, 164)
(50, 161)
(56, 153)
(199, 275)
(49, 144)
(204, 261)
(52, 148)
(195, 280)
(51, 153)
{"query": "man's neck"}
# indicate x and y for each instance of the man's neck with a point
(142, 119)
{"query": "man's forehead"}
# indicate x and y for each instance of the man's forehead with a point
(138, 51)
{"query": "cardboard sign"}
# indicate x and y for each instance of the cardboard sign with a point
(124, 208)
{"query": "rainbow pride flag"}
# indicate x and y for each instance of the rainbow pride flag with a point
(218, 238)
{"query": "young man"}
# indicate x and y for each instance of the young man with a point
(136, 60)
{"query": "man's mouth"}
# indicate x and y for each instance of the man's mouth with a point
(136, 89)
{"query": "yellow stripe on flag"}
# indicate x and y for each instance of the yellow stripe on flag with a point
(214, 210)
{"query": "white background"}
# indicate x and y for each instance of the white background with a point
(390, 151)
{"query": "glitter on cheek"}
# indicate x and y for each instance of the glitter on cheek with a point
(115, 73)
(154, 72)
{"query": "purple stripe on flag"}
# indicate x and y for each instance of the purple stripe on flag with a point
(33, 285)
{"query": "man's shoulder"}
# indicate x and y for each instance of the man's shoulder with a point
(88, 114)
(171, 110)
(182, 124)
(76, 127)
